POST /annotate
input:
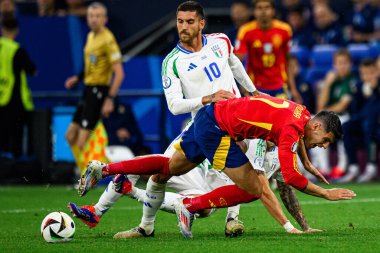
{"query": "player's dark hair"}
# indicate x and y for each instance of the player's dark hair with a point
(367, 62)
(243, 2)
(9, 24)
(331, 122)
(192, 6)
(255, 2)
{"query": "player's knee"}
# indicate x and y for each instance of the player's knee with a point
(70, 138)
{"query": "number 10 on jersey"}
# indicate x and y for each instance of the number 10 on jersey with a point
(212, 71)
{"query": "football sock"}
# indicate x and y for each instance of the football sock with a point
(225, 196)
(153, 199)
(107, 199)
(233, 212)
(144, 165)
(167, 205)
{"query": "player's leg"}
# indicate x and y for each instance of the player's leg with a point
(91, 214)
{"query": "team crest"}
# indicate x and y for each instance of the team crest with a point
(166, 82)
(217, 51)
(277, 40)
(93, 58)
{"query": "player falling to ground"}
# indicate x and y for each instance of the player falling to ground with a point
(102, 59)
(199, 70)
(213, 135)
(201, 180)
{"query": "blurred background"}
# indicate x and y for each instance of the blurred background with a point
(54, 32)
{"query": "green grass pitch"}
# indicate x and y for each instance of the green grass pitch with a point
(350, 226)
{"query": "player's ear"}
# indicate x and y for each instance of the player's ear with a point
(317, 125)
(202, 23)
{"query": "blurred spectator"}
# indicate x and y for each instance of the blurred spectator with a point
(75, 8)
(122, 129)
(240, 13)
(303, 86)
(361, 128)
(103, 75)
(266, 43)
(7, 9)
(284, 6)
(326, 28)
(302, 34)
(46, 8)
(16, 101)
(363, 21)
(336, 96)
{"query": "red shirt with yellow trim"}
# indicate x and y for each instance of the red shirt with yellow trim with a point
(266, 52)
(264, 117)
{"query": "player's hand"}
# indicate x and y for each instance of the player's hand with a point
(295, 231)
(330, 78)
(71, 82)
(217, 96)
(107, 108)
(339, 194)
(313, 230)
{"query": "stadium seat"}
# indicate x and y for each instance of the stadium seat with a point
(322, 55)
(315, 74)
(359, 52)
(302, 54)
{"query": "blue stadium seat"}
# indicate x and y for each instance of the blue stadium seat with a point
(302, 54)
(322, 55)
(359, 52)
(315, 74)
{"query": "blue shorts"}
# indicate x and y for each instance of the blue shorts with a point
(278, 93)
(205, 139)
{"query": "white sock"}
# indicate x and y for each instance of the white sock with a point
(169, 200)
(370, 169)
(353, 169)
(233, 212)
(342, 156)
(153, 199)
(107, 200)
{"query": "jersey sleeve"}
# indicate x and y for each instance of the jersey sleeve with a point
(288, 40)
(171, 83)
(113, 50)
(240, 74)
(287, 152)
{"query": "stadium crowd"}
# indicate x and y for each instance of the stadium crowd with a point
(334, 58)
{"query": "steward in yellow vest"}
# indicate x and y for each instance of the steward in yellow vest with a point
(15, 97)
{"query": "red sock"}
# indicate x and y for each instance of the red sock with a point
(144, 165)
(224, 196)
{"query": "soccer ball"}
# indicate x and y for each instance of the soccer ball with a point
(57, 227)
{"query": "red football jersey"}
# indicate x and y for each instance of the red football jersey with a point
(264, 117)
(265, 52)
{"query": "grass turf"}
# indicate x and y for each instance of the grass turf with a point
(350, 226)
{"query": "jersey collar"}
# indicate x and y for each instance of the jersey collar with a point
(182, 49)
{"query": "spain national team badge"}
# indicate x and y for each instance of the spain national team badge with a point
(267, 48)
(217, 51)
(295, 147)
(166, 82)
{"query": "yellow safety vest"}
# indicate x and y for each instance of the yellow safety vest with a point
(8, 49)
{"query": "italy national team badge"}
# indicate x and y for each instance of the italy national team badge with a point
(217, 51)
(267, 48)
(166, 82)
(295, 147)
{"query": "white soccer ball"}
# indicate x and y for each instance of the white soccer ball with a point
(57, 227)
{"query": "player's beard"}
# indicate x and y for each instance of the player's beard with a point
(188, 38)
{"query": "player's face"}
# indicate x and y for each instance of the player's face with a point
(316, 136)
(263, 12)
(189, 25)
(96, 18)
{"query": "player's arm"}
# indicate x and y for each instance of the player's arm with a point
(302, 154)
(114, 56)
(293, 206)
(288, 142)
(296, 96)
